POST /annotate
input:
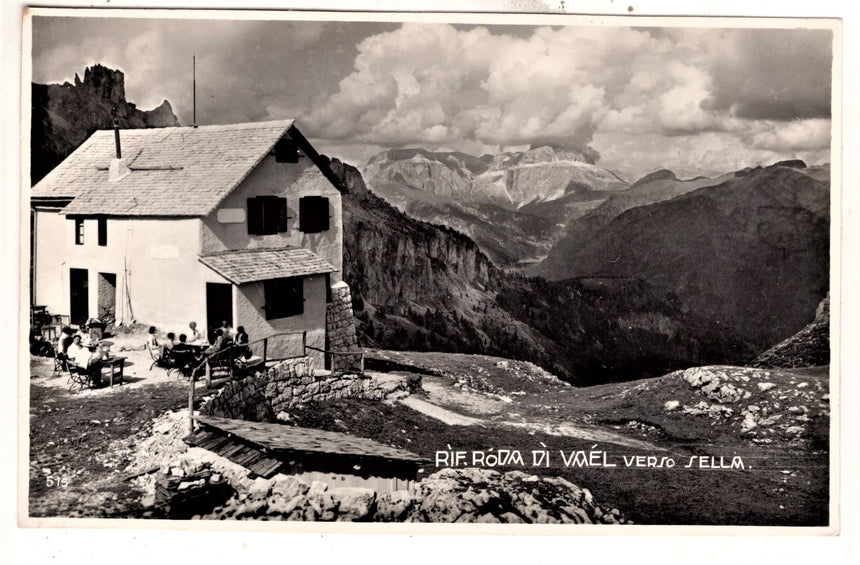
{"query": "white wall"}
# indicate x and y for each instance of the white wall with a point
(156, 259)
(286, 180)
(250, 299)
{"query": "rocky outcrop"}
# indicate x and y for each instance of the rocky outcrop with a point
(809, 347)
(763, 406)
(65, 115)
(450, 495)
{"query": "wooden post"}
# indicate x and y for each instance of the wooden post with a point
(191, 405)
(304, 343)
(265, 349)
(362, 364)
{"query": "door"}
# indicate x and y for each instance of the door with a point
(107, 298)
(79, 297)
(219, 307)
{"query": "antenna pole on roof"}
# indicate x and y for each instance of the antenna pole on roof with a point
(194, 87)
(116, 134)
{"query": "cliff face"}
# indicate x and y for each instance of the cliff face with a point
(64, 116)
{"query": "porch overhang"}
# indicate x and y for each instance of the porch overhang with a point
(251, 265)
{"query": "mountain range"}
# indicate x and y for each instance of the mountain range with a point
(638, 279)
(512, 204)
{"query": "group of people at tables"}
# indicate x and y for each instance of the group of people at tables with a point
(196, 349)
(77, 349)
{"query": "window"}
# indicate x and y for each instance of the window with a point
(79, 231)
(313, 214)
(103, 232)
(267, 215)
(286, 151)
(284, 297)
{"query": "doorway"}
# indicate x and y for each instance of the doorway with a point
(219, 307)
(107, 298)
(79, 296)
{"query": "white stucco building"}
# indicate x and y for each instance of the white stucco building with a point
(239, 223)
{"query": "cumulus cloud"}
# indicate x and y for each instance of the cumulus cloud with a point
(662, 94)
(445, 85)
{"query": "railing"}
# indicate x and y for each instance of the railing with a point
(226, 357)
(264, 346)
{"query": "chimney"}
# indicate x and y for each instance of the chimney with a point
(118, 169)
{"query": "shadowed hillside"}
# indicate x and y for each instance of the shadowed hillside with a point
(751, 254)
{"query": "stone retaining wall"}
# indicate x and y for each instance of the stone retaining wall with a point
(340, 330)
(261, 398)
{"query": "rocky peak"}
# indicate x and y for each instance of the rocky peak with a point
(662, 174)
(107, 84)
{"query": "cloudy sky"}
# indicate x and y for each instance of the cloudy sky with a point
(697, 101)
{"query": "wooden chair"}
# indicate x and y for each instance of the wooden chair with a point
(61, 364)
(79, 379)
(158, 360)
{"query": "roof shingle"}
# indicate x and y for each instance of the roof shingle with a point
(249, 265)
(180, 171)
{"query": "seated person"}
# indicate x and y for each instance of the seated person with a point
(74, 347)
(89, 358)
(64, 341)
(182, 344)
(168, 345)
(151, 340)
(242, 341)
(227, 329)
(195, 336)
(184, 354)
(221, 343)
(39, 345)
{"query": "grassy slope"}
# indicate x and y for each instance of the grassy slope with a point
(785, 483)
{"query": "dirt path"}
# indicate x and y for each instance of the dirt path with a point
(430, 407)
(439, 413)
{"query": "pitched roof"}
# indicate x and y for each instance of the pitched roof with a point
(279, 438)
(248, 265)
(180, 171)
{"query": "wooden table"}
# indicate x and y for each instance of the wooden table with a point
(115, 366)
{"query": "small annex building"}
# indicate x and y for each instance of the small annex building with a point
(163, 226)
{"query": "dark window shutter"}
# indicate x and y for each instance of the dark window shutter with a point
(284, 297)
(313, 214)
(102, 231)
(255, 216)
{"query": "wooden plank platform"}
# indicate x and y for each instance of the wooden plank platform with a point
(248, 456)
(276, 440)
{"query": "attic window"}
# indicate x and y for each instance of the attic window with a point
(284, 297)
(286, 151)
(267, 215)
(313, 214)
